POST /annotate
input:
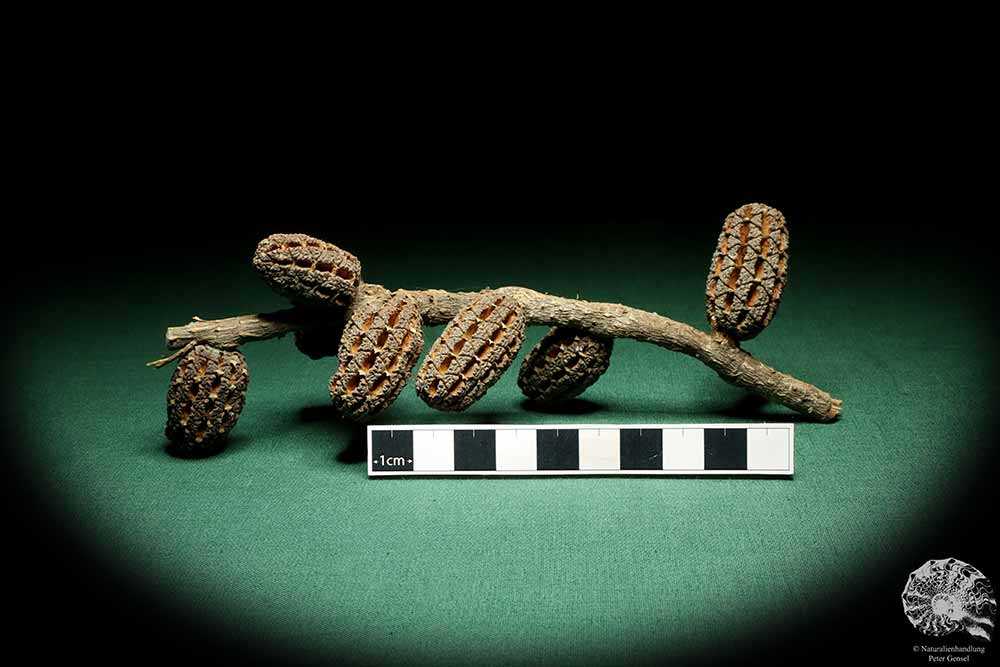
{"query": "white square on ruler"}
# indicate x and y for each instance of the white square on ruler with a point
(767, 449)
(433, 450)
(683, 449)
(516, 449)
(600, 449)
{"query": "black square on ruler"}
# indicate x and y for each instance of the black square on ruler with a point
(476, 450)
(725, 449)
(392, 450)
(558, 449)
(642, 449)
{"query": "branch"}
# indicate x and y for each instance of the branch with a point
(231, 332)
(724, 356)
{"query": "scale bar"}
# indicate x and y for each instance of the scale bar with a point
(662, 449)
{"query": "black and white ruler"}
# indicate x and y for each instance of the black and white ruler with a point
(603, 449)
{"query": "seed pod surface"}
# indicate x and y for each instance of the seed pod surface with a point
(473, 351)
(380, 345)
(307, 271)
(563, 364)
(206, 395)
(748, 271)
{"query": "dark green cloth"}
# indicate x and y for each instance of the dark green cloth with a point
(282, 537)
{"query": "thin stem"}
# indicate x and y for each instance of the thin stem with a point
(159, 363)
(719, 353)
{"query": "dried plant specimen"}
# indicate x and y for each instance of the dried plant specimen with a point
(380, 345)
(748, 271)
(563, 364)
(476, 347)
(383, 338)
(205, 398)
(307, 271)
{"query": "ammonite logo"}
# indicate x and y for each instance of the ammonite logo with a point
(946, 596)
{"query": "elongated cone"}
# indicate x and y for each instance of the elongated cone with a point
(563, 364)
(206, 395)
(308, 271)
(379, 347)
(473, 351)
(749, 271)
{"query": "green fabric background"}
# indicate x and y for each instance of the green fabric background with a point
(283, 538)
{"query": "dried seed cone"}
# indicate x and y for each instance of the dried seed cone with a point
(380, 346)
(471, 354)
(563, 364)
(748, 271)
(206, 395)
(307, 271)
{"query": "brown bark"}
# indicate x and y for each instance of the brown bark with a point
(719, 353)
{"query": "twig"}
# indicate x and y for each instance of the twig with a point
(159, 363)
(231, 332)
(721, 354)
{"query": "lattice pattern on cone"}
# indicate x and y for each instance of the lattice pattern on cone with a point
(748, 271)
(563, 364)
(473, 351)
(379, 347)
(206, 395)
(308, 271)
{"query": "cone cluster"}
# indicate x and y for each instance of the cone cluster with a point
(380, 342)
